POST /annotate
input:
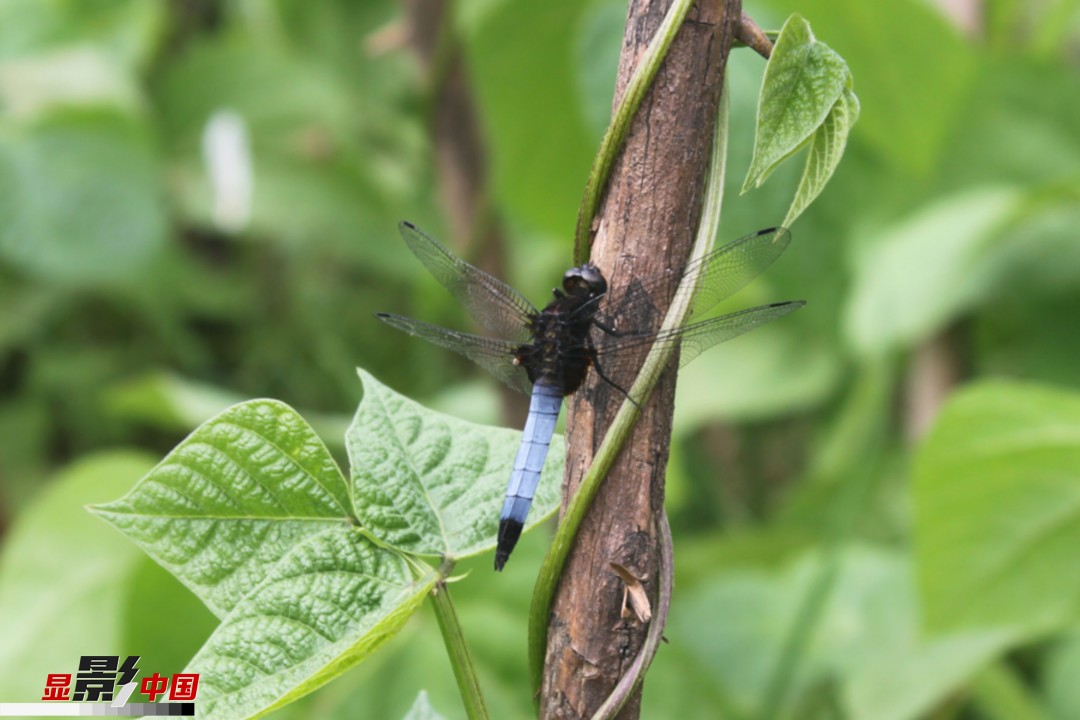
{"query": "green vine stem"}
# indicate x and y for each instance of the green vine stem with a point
(458, 651)
(655, 363)
(616, 132)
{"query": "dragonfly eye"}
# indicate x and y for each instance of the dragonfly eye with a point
(585, 279)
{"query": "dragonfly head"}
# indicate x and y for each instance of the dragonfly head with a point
(584, 280)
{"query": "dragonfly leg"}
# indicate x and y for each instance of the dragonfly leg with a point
(608, 329)
(600, 371)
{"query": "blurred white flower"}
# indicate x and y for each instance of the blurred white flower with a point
(227, 154)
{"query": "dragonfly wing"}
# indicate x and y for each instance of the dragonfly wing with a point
(720, 274)
(699, 337)
(494, 355)
(730, 268)
(621, 356)
(491, 302)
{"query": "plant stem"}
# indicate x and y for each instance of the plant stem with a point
(615, 134)
(460, 661)
(655, 363)
(752, 36)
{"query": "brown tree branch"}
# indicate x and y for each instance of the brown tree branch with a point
(751, 35)
(646, 224)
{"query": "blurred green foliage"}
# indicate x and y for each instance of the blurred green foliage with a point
(129, 313)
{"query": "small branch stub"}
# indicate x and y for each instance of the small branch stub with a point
(751, 35)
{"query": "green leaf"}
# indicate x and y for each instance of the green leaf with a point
(826, 148)
(233, 499)
(432, 484)
(79, 196)
(252, 514)
(804, 81)
(924, 271)
(997, 509)
(914, 70)
(328, 604)
(64, 576)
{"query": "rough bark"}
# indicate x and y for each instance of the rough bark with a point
(646, 224)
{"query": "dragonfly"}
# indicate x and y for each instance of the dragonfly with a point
(547, 353)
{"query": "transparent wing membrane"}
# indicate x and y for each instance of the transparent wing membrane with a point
(492, 303)
(621, 357)
(723, 272)
(494, 355)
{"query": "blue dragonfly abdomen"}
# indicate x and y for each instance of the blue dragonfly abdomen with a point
(544, 407)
